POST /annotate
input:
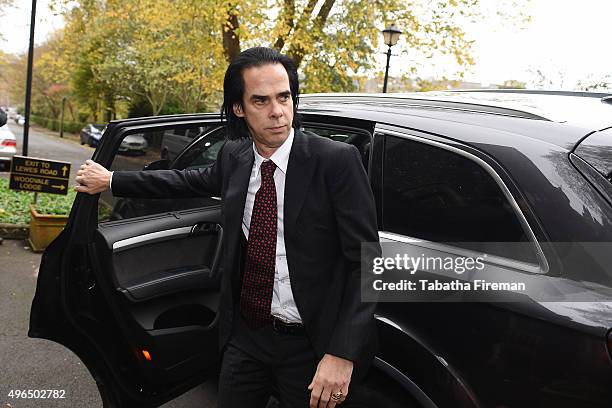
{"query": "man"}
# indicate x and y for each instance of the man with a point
(296, 209)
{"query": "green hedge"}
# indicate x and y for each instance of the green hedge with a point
(54, 124)
(15, 205)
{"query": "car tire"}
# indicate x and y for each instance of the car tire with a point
(90, 141)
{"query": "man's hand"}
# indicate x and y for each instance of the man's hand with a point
(333, 375)
(92, 178)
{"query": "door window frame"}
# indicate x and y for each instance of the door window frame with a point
(194, 142)
(541, 268)
(330, 126)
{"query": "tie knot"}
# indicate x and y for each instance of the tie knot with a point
(267, 169)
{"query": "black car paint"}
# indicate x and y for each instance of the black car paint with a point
(458, 355)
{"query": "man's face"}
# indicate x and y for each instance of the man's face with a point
(267, 106)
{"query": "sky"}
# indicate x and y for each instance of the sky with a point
(566, 40)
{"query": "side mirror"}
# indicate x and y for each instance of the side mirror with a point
(163, 164)
(3, 117)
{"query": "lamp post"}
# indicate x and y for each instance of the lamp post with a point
(391, 35)
(62, 117)
(28, 96)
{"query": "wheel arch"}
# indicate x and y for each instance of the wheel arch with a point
(420, 370)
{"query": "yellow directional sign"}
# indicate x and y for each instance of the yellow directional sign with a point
(39, 175)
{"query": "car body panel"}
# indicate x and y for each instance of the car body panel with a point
(7, 151)
(127, 274)
(126, 293)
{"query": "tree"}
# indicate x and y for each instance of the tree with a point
(173, 55)
(332, 40)
(146, 50)
(593, 83)
(512, 84)
(5, 4)
(548, 78)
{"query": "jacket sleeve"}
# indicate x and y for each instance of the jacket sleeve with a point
(355, 213)
(199, 182)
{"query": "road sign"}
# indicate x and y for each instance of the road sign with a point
(39, 175)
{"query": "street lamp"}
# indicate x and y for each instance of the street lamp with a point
(28, 95)
(391, 35)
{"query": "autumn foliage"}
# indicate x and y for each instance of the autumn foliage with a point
(116, 58)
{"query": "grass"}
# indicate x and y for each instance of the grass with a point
(15, 205)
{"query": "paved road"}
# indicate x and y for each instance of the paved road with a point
(46, 144)
(35, 364)
(42, 144)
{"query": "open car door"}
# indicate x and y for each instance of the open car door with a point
(132, 287)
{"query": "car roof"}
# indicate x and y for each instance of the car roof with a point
(559, 118)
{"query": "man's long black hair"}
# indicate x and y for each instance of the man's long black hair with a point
(233, 86)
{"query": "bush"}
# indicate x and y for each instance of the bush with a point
(73, 127)
(54, 124)
(15, 205)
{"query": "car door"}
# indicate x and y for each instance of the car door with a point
(136, 297)
(440, 200)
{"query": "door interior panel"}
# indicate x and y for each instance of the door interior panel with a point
(162, 267)
(165, 272)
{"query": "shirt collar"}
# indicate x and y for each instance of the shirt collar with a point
(280, 157)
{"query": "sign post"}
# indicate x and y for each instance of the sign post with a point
(39, 175)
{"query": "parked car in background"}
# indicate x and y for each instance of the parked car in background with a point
(91, 134)
(19, 119)
(136, 298)
(8, 145)
(175, 140)
(133, 144)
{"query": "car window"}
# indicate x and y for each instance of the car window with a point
(437, 195)
(361, 139)
(150, 148)
(203, 152)
(173, 141)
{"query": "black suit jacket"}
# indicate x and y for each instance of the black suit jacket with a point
(328, 212)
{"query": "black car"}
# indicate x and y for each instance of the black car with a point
(134, 294)
(91, 134)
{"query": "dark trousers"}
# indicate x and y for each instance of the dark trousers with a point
(259, 362)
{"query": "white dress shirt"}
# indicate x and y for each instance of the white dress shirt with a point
(283, 304)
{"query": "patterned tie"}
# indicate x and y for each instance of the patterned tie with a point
(258, 279)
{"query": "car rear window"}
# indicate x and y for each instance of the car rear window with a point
(437, 195)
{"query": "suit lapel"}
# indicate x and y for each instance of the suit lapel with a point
(299, 175)
(241, 164)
